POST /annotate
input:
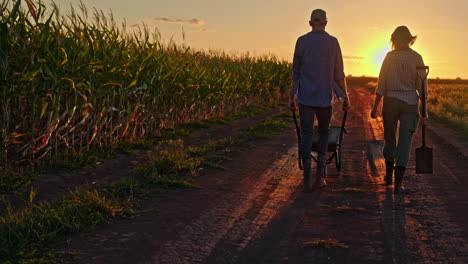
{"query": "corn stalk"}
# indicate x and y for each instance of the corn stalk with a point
(78, 81)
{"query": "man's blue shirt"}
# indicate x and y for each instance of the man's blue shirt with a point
(317, 66)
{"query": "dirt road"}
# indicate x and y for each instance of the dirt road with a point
(256, 212)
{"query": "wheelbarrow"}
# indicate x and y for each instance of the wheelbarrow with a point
(335, 140)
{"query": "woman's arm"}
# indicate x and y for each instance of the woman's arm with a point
(378, 98)
(380, 90)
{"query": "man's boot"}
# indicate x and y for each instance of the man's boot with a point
(321, 168)
(399, 173)
(389, 172)
(307, 169)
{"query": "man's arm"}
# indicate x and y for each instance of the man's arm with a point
(297, 60)
(344, 87)
(292, 97)
(293, 90)
(340, 78)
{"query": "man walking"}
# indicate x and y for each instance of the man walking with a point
(318, 77)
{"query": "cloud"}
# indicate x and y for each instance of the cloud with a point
(203, 29)
(143, 24)
(152, 22)
(353, 58)
(193, 21)
(198, 29)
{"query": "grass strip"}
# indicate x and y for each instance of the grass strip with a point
(344, 209)
(74, 161)
(28, 237)
(13, 182)
(23, 236)
(448, 104)
(350, 190)
(325, 243)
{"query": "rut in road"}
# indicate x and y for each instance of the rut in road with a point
(231, 218)
(178, 218)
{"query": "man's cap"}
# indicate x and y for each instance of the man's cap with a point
(318, 15)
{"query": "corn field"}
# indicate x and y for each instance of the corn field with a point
(77, 81)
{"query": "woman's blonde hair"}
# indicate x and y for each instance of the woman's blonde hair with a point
(402, 38)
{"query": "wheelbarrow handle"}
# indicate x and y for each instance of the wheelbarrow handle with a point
(297, 125)
(298, 131)
(343, 123)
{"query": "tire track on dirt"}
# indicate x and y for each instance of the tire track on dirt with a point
(318, 216)
(167, 217)
(196, 242)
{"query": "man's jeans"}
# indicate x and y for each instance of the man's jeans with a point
(396, 111)
(307, 115)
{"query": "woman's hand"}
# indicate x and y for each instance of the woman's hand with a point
(373, 113)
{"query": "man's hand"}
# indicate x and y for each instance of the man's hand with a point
(346, 105)
(292, 103)
(423, 121)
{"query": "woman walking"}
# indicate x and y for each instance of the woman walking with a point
(400, 87)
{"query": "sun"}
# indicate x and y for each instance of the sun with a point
(372, 52)
(378, 57)
(374, 55)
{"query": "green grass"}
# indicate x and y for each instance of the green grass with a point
(448, 104)
(212, 145)
(268, 128)
(68, 162)
(12, 182)
(29, 236)
(325, 243)
(23, 235)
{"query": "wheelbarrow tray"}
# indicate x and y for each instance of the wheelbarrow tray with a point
(333, 138)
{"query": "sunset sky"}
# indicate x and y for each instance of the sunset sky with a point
(363, 27)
